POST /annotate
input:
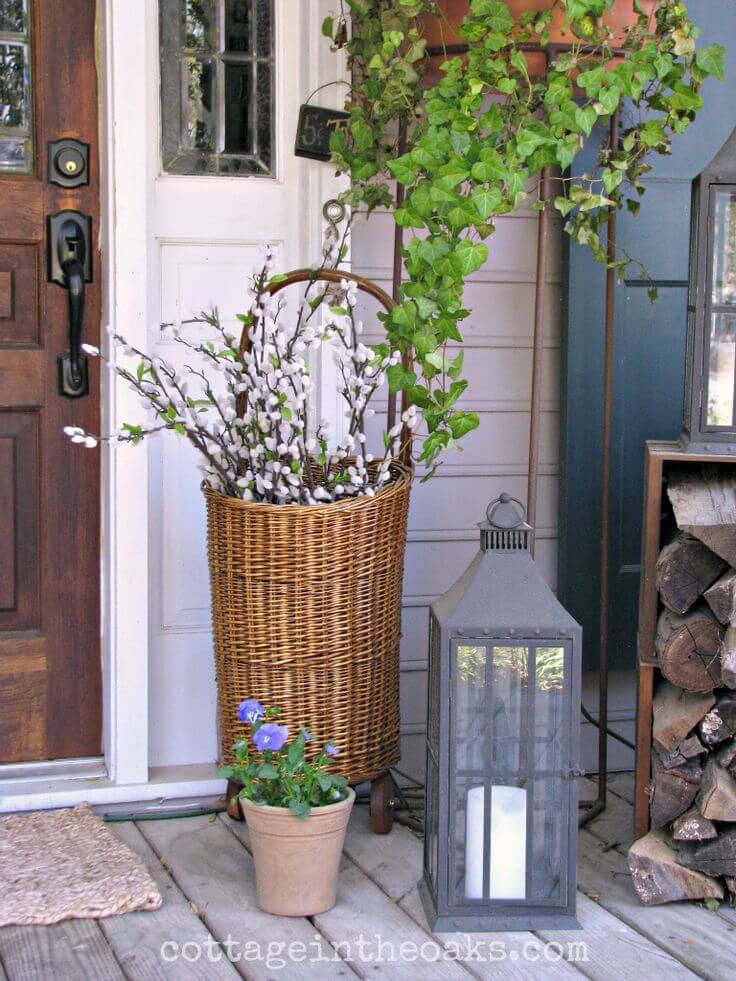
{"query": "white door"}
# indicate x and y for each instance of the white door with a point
(233, 74)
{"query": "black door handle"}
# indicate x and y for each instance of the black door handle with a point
(70, 266)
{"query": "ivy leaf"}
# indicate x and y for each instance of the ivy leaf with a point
(399, 378)
(684, 98)
(586, 119)
(567, 150)
(612, 179)
(471, 256)
(564, 205)
(652, 133)
(463, 422)
(712, 60)
(403, 170)
(487, 200)
(529, 140)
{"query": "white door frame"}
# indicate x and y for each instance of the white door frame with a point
(128, 66)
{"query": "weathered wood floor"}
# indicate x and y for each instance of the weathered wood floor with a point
(205, 873)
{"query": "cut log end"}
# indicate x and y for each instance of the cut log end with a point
(717, 793)
(685, 569)
(692, 826)
(673, 790)
(689, 647)
(658, 878)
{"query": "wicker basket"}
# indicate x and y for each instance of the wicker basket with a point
(306, 606)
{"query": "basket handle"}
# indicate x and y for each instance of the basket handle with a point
(364, 284)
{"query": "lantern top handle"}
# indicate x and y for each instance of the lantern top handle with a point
(506, 513)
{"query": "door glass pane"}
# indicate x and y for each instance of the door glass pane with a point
(16, 154)
(721, 369)
(13, 15)
(217, 106)
(550, 791)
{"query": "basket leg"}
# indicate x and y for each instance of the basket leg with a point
(234, 809)
(382, 804)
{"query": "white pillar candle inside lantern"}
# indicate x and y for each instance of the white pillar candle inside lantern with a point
(508, 843)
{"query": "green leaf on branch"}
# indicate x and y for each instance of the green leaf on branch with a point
(462, 423)
(399, 378)
(712, 60)
(471, 256)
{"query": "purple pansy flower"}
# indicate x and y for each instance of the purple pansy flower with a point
(250, 710)
(332, 750)
(270, 736)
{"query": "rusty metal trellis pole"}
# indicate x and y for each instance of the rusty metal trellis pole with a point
(600, 802)
(543, 230)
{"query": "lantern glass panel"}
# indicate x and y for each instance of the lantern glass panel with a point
(511, 804)
(489, 709)
(549, 792)
(721, 326)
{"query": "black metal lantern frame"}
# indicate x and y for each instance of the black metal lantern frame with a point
(502, 744)
(710, 382)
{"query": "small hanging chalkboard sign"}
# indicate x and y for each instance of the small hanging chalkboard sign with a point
(314, 129)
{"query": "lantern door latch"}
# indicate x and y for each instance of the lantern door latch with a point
(573, 773)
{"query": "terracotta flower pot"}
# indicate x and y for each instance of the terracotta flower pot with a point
(297, 859)
(441, 31)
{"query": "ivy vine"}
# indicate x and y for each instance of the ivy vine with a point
(478, 140)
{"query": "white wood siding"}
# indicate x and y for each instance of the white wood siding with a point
(498, 364)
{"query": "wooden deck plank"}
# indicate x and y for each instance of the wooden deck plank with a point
(514, 956)
(74, 950)
(137, 938)
(612, 950)
(701, 940)
(623, 784)
(216, 873)
(394, 862)
(365, 912)
(615, 825)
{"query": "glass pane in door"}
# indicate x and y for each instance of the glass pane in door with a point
(217, 86)
(16, 145)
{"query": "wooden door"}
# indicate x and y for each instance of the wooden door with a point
(649, 364)
(50, 672)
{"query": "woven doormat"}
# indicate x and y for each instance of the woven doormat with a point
(60, 865)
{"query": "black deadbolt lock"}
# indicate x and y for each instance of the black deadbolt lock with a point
(69, 163)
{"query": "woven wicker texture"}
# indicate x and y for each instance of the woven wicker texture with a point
(61, 865)
(306, 606)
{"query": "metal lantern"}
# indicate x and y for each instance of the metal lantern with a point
(710, 381)
(502, 742)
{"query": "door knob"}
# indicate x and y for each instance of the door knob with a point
(70, 266)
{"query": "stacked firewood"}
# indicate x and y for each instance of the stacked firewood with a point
(690, 853)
